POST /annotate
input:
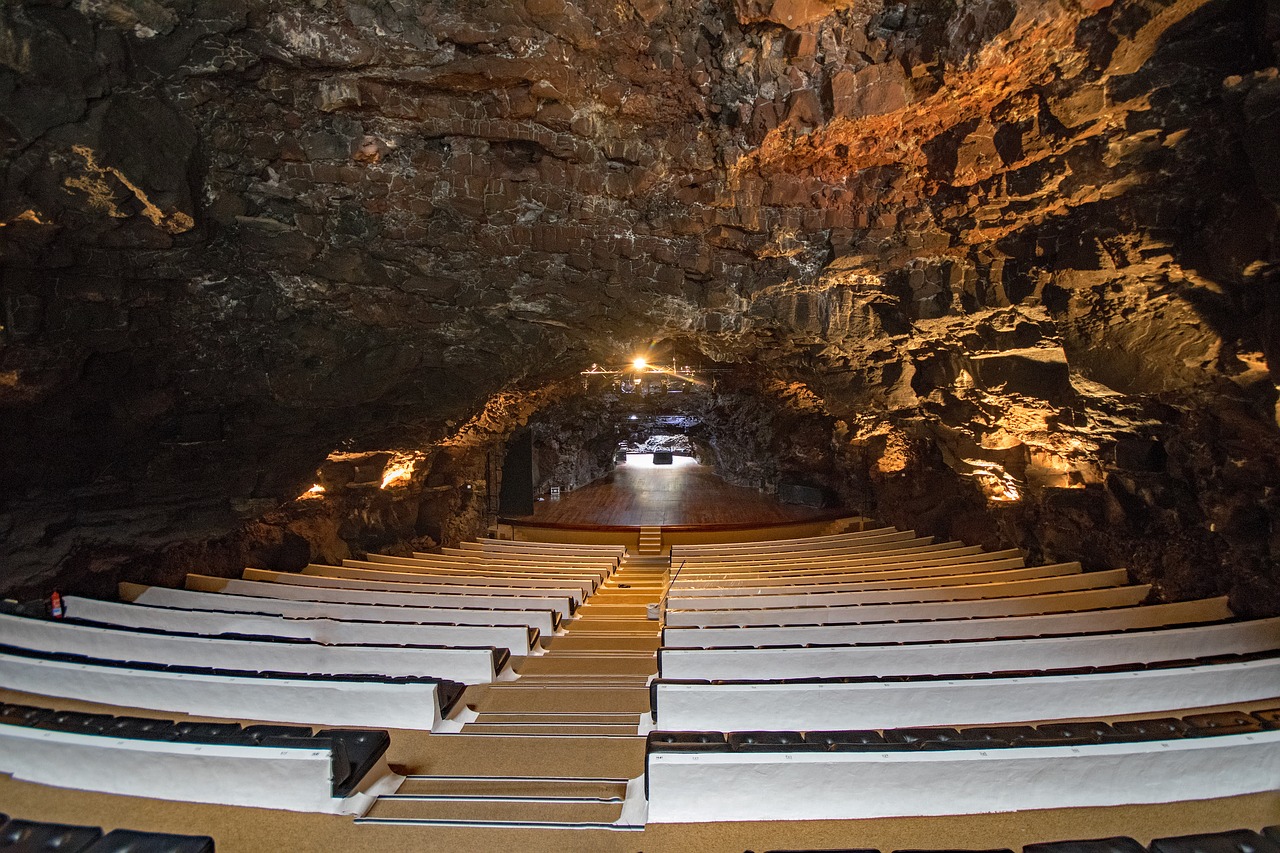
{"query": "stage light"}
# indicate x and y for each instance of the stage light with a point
(639, 364)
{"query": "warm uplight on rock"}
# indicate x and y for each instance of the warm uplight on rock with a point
(397, 473)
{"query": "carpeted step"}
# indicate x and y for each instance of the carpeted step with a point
(483, 755)
(481, 811)
(518, 787)
(575, 642)
(582, 730)
(600, 665)
(624, 624)
(515, 698)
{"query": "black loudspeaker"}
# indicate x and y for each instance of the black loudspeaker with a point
(663, 457)
(794, 493)
(516, 497)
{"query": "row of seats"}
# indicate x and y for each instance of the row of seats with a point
(354, 751)
(30, 836)
(1231, 841)
(977, 737)
(449, 692)
(1180, 663)
(775, 545)
(295, 607)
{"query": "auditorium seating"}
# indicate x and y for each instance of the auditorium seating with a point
(965, 656)
(287, 767)
(968, 699)
(411, 702)
(563, 600)
(1230, 841)
(461, 583)
(936, 630)
(302, 592)
(471, 569)
(543, 621)
(852, 640)
(738, 580)
(856, 774)
(1013, 605)
(469, 665)
(777, 566)
(29, 836)
(848, 676)
(768, 595)
(515, 639)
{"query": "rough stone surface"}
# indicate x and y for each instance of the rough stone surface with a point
(968, 258)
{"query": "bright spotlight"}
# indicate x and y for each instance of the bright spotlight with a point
(639, 364)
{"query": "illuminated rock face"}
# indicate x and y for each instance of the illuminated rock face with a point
(997, 269)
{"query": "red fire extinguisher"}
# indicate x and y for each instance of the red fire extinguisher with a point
(56, 608)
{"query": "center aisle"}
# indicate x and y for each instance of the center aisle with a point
(557, 747)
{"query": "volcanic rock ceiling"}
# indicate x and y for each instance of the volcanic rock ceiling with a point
(994, 269)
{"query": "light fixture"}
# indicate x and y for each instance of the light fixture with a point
(634, 418)
(639, 363)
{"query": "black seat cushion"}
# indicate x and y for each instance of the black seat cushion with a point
(1117, 844)
(141, 728)
(1090, 731)
(920, 735)
(1233, 841)
(134, 841)
(191, 732)
(1272, 833)
(29, 836)
(26, 712)
(860, 737)
(1221, 723)
(1270, 718)
(770, 742)
(74, 722)
(686, 741)
(1000, 735)
(1161, 728)
(259, 732)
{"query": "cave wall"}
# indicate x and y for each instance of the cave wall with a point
(1017, 244)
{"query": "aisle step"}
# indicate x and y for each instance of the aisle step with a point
(530, 788)
(609, 730)
(483, 755)
(534, 698)
(576, 642)
(495, 811)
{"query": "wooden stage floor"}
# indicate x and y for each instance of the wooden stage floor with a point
(639, 493)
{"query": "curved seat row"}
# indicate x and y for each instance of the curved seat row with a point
(957, 657)
(28, 836)
(827, 778)
(411, 702)
(1070, 733)
(470, 665)
(1230, 841)
(290, 767)
(512, 639)
(965, 698)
